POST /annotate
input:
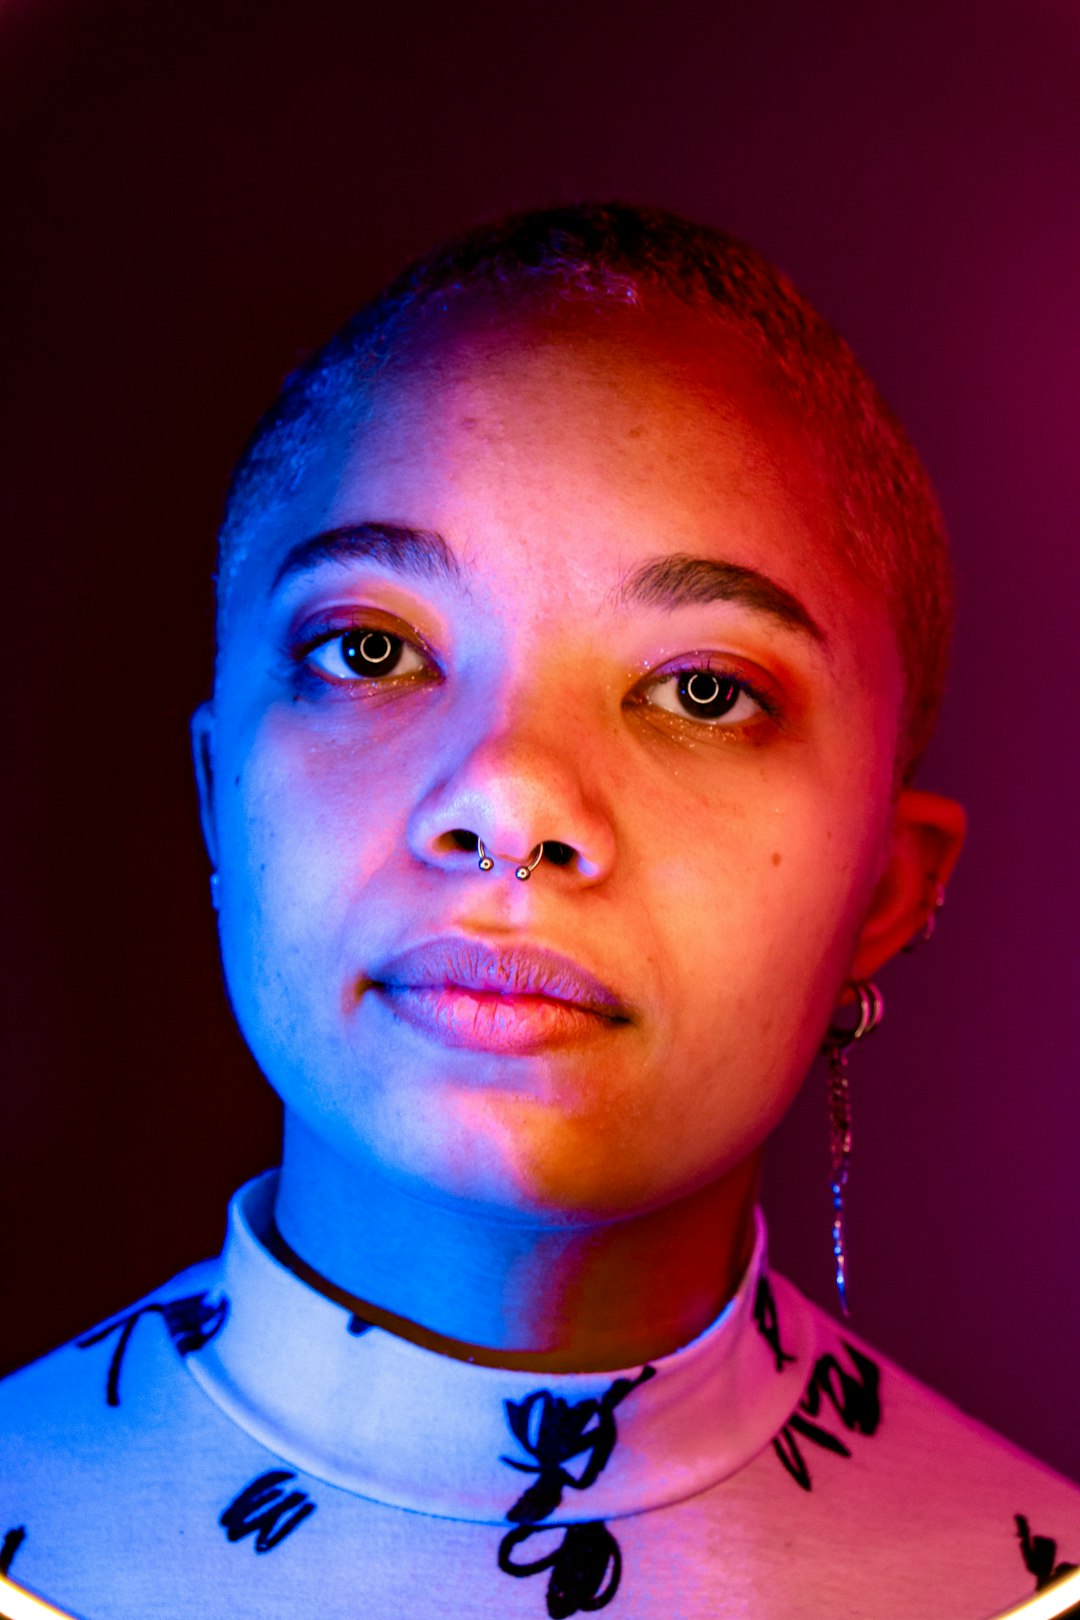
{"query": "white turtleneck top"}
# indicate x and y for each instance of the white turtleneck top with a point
(239, 1445)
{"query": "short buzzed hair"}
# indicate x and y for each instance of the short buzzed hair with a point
(890, 529)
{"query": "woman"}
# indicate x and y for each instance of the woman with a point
(582, 617)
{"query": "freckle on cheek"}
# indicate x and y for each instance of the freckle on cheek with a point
(777, 857)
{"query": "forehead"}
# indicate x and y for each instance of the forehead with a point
(617, 402)
(581, 437)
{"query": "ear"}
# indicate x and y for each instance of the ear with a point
(927, 836)
(202, 748)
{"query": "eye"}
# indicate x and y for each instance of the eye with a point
(365, 654)
(706, 695)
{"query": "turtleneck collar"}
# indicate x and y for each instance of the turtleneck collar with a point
(363, 1409)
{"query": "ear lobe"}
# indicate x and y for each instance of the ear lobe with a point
(928, 834)
(202, 749)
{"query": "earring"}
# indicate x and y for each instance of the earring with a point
(926, 932)
(838, 1043)
(215, 890)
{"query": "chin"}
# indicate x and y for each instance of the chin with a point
(538, 1161)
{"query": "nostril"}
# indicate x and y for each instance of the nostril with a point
(556, 853)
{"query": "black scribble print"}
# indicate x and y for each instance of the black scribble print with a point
(1040, 1557)
(768, 1322)
(267, 1511)
(557, 1432)
(571, 1443)
(357, 1326)
(855, 1399)
(586, 1566)
(12, 1542)
(191, 1323)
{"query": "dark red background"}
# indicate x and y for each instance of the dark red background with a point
(195, 194)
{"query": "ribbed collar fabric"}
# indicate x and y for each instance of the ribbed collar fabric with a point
(388, 1420)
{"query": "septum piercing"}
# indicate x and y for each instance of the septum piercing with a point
(521, 872)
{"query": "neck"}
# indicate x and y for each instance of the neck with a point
(465, 1282)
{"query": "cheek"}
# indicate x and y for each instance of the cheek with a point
(770, 873)
(305, 824)
(755, 925)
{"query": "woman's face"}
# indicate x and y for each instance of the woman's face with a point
(579, 587)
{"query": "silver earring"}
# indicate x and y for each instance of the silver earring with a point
(838, 1043)
(215, 890)
(926, 932)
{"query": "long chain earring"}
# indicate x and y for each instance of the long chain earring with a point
(838, 1043)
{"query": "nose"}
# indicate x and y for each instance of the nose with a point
(514, 791)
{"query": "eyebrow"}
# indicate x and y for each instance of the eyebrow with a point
(673, 581)
(407, 550)
(682, 580)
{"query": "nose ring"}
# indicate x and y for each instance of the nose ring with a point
(521, 872)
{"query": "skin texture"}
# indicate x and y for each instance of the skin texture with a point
(582, 1198)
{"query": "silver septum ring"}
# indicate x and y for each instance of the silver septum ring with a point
(523, 871)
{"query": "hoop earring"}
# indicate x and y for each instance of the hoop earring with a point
(838, 1043)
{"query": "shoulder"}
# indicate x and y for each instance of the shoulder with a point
(113, 1461)
(940, 1499)
(852, 1385)
(58, 1404)
(98, 1431)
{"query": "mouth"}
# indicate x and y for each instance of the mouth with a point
(516, 1000)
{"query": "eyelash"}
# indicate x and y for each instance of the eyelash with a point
(302, 650)
(364, 633)
(724, 672)
(707, 664)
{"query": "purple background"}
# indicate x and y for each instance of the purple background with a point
(196, 193)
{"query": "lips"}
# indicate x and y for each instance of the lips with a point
(518, 999)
